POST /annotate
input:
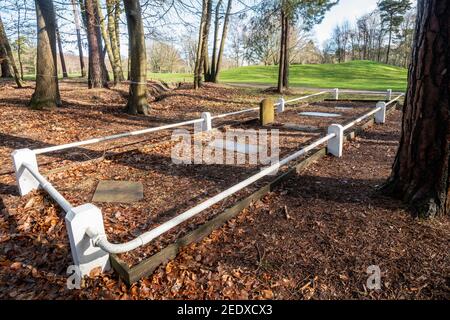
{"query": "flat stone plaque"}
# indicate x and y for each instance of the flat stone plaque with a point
(118, 191)
(320, 114)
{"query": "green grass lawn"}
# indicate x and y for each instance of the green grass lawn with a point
(350, 75)
(357, 75)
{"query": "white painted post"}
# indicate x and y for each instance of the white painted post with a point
(280, 106)
(335, 144)
(389, 95)
(85, 256)
(380, 116)
(206, 125)
(336, 94)
(25, 180)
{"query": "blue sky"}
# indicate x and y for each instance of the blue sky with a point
(344, 10)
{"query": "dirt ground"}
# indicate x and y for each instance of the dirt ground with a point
(314, 237)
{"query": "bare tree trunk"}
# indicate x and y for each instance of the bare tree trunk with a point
(115, 46)
(199, 56)
(117, 12)
(46, 92)
(205, 42)
(286, 54)
(97, 77)
(212, 76)
(19, 44)
(420, 174)
(281, 64)
(107, 42)
(61, 54)
(222, 41)
(137, 100)
(388, 52)
(78, 30)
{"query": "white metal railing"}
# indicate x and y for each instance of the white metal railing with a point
(90, 222)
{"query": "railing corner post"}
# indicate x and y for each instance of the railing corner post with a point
(206, 125)
(336, 143)
(380, 116)
(281, 105)
(25, 180)
(85, 255)
(336, 94)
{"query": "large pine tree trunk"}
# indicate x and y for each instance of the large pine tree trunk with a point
(4, 41)
(78, 31)
(137, 100)
(420, 174)
(97, 76)
(46, 92)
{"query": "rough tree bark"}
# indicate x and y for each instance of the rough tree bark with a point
(61, 54)
(137, 100)
(96, 77)
(5, 69)
(420, 174)
(78, 30)
(46, 93)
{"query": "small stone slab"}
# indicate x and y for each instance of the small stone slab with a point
(320, 114)
(294, 126)
(118, 191)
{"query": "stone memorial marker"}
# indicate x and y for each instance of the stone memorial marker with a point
(118, 191)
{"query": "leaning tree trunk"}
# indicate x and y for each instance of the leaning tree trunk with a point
(61, 54)
(9, 55)
(97, 76)
(420, 174)
(137, 100)
(222, 41)
(46, 93)
(212, 74)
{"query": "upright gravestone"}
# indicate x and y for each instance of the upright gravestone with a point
(266, 111)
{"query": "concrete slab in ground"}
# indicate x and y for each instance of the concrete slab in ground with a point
(320, 114)
(118, 191)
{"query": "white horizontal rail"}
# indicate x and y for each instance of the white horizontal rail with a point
(234, 113)
(102, 241)
(115, 136)
(358, 120)
(47, 186)
(393, 100)
(306, 97)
